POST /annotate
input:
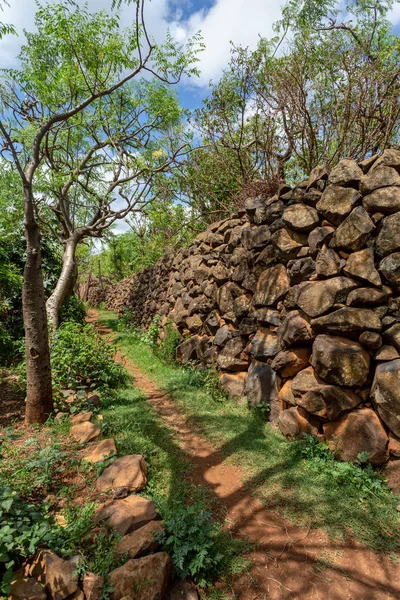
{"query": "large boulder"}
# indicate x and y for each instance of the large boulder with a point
(272, 286)
(294, 330)
(262, 386)
(385, 200)
(340, 361)
(361, 264)
(231, 358)
(317, 297)
(320, 398)
(358, 431)
(355, 230)
(379, 177)
(337, 203)
(233, 384)
(300, 217)
(385, 393)
(289, 362)
(129, 471)
(347, 320)
(264, 345)
(59, 576)
(127, 514)
(346, 173)
(26, 588)
(390, 269)
(388, 240)
(294, 421)
(188, 349)
(144, 578)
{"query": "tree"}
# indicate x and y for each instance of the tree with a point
(75, 65)
(327, 86)
(5, 28)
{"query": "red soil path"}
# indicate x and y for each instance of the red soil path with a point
(289, 563)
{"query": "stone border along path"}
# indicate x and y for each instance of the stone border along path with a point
(289, 563)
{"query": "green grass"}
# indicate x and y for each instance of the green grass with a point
(300, 488)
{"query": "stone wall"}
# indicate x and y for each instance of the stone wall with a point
(296, 300)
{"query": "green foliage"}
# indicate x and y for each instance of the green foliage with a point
(360, 479)
(73, 310)
(23, 528)
(190, 538)
(79, 357)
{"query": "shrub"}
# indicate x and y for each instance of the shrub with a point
(23, 528)
(73, 310)
(360, 479)
(192, 540)
(81, 357)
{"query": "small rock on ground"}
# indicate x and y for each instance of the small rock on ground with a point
(85, 432)
(129, 471)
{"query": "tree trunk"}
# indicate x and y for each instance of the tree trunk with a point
(39, 401)
(64, 284)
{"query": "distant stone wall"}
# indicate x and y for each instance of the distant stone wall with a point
(296, 300)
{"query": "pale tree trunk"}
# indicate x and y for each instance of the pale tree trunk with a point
(39, 401)
(64, 284)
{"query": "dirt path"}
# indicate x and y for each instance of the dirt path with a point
(289, 563)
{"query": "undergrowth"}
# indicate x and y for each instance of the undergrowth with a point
(303, 481)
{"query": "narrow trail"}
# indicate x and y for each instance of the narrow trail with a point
(289, 563)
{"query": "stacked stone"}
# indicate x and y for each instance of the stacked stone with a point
(296, 300)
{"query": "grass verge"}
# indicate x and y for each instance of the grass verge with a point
(308, 488)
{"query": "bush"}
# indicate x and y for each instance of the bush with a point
(360, 479)
(73, 310)
(192, 540)
(80, 357)
(23, 528)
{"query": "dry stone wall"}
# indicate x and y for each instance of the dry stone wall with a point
(296, 300)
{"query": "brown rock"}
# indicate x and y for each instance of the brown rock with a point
(300, 270)
(58, 576)
(144, 578)
(289, 362)
(194, 323)
(358, 431)
(26, 588)
(337, 203)
(261, 385)
(385, 201)
(129, 471)
(233, 384)
(370, 340)
(394, 446)
(387, 353)
(127, 514)
(272, 286)
(300, 217)
(317, 297)
(286, 243)
(346, 173)
(264, 345)
(367, 297)
(222, 336)
(293, 422)
(188, 349)
(355, 230)
(92, 586)
(267, 316)
(361, 264)
(390, 269)
(318, 237)
(256, 237)
(101, 451)
(340, 361)
(392, 335)
(388, 240)
(318, 173)
(81, 417)
(385, 393)
(389, 158)
(328, 263)
(318, 397)
(378, 177)
(347, 320)
(85, 432)
(142, 541)
(295, 329)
